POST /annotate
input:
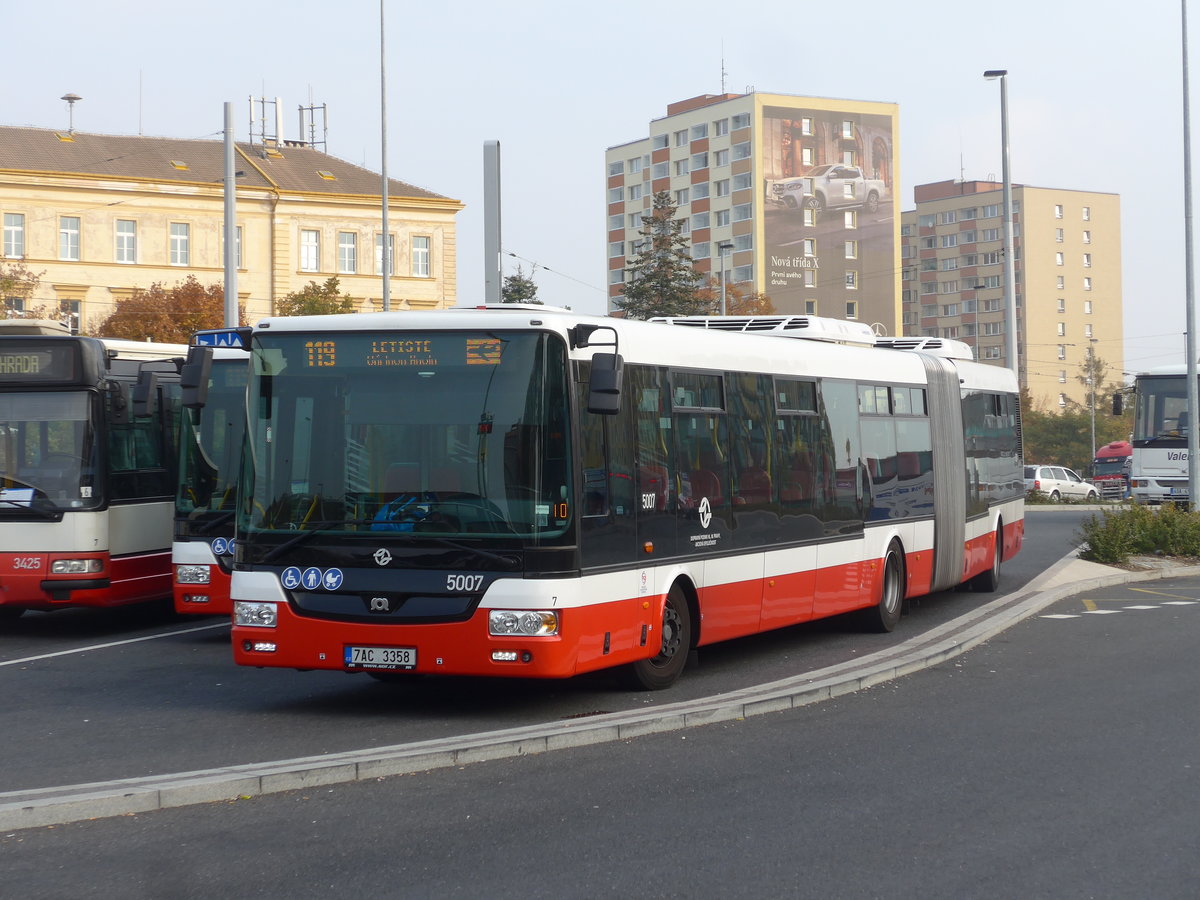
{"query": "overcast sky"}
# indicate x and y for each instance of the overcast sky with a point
(1095, 101)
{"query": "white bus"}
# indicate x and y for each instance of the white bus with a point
(1159, 467)
(210, 447)
(87, 468)
(524, 491)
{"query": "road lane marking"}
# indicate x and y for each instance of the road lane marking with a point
(1143, 607)
(149, 637)
(1102, 612)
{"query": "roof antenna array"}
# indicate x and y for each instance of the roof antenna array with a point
(70, 98)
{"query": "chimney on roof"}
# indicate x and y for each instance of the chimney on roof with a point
(70, 98)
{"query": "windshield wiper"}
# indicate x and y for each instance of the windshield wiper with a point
(50, 513)
(219, 519)
(310, 533)
(507, 561)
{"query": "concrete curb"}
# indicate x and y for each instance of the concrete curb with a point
(78, 802)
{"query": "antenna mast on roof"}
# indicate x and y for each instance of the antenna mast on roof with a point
(308, 123)
(723, 72)
(259, 126)
(70, 98)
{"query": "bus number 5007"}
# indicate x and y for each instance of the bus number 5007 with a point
(464, 583)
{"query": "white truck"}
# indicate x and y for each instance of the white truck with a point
(829, 187)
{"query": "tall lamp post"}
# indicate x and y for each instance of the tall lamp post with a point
(1092, 386)
(721, 249)
(1010, 268)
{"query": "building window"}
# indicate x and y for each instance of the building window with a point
(1058, 258)
(742, 150)
(847, 129)
(391, 254)
(616, 168)
(743, 242)
(720, 158)
(699, 220)
(310, 250)
(721, 188)
(181, 234)
(721, 218)
(851, 249)
(616, 222)
(741, 120)
(68, 238)
(810, 307)
(1087, 260)
(1087, 237)
(742, 212)
(950, 333)
(947, 218)
(851, 280)
(635, 220)
(660, 169)
(635, 192)
(616, 248)
(14, 235)
(681, 167)
(806, 126)
(237, 250)
(699, 161)
(660, 141)
(851, 309)
(700, 132)
(616, 276)
(1087, 331)
(850, 218)
(1062, 329)
(420, 256)
(993, 328)
(681, 138)
(1087, 214)
(967, 214)
(991, 353)
(991, 210)
(949, 240)
(1062, 351)
(1062, 399)
(950, 309)
(1087, 284)
(347, 252)
(810, 217)
(635, 165)
(701, 250)
(616, 195)
(1058, 235)
(682, 196)
(1062, 305)
(126, 241)
(1061, 282)
(700, 191)
(949, 264)
(742, 181)
(720, 127)
(1058, 211)
(1062, 376)
(809, 246)
(743, 273)
(990, 234)
(948, 287)
(1087, 307)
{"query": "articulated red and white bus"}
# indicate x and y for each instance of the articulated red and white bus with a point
(524, 491)
(87, 468)
(210, 447)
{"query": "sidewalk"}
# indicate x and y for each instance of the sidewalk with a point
(72, 803)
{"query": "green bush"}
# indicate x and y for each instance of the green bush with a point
(1117, 534)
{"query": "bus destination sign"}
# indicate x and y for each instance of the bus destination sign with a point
(408, 351)
(39, 364)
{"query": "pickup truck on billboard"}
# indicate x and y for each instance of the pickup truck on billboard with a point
(829, 187)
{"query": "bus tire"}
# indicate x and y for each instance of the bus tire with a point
(663, 670)
(988, 581)
(884, 615)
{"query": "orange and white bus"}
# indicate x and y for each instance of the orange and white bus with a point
(525, 491)
(210, 447)
(87, 468)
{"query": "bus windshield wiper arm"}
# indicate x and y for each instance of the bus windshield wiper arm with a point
(219, 519)
(311, 532)
(507, 561)
(46, 512)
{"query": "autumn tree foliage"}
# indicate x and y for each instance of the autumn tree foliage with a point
(170, 315)
(738, 301)
(317, 300)
(16, 280)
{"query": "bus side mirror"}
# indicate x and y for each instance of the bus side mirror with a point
(118, 392)
(193, 377)
(604, 389)
(1118, 404)
(145, 394)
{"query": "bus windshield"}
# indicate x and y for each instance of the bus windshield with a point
(211, 444)
(449, 434)
(1161, 409)
(47, 451)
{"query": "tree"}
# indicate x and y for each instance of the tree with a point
(171, 315)
(317, 300)
(738, 302)
(661, 279)
(16, 281)
(519, 288)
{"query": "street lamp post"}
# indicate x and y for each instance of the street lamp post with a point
(1092, 386)
(721, 248)
(1010, 268)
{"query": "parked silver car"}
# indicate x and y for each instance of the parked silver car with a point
(1059, 483)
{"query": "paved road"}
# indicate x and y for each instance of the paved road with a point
(1057, 759)
(155, 696)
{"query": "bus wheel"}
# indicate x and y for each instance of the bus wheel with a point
(663, 670)
(885, 614)
(988, 581)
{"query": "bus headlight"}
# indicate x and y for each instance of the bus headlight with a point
(187, 574)
(254, 614)
(523, 622)
(76, 566)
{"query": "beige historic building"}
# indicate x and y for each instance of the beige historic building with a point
(793, 197)
(97, 216)
(1068, 279)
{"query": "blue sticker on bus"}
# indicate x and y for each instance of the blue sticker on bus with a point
(311, 578)
(333, 579)
(220, 546)
(290, 577)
